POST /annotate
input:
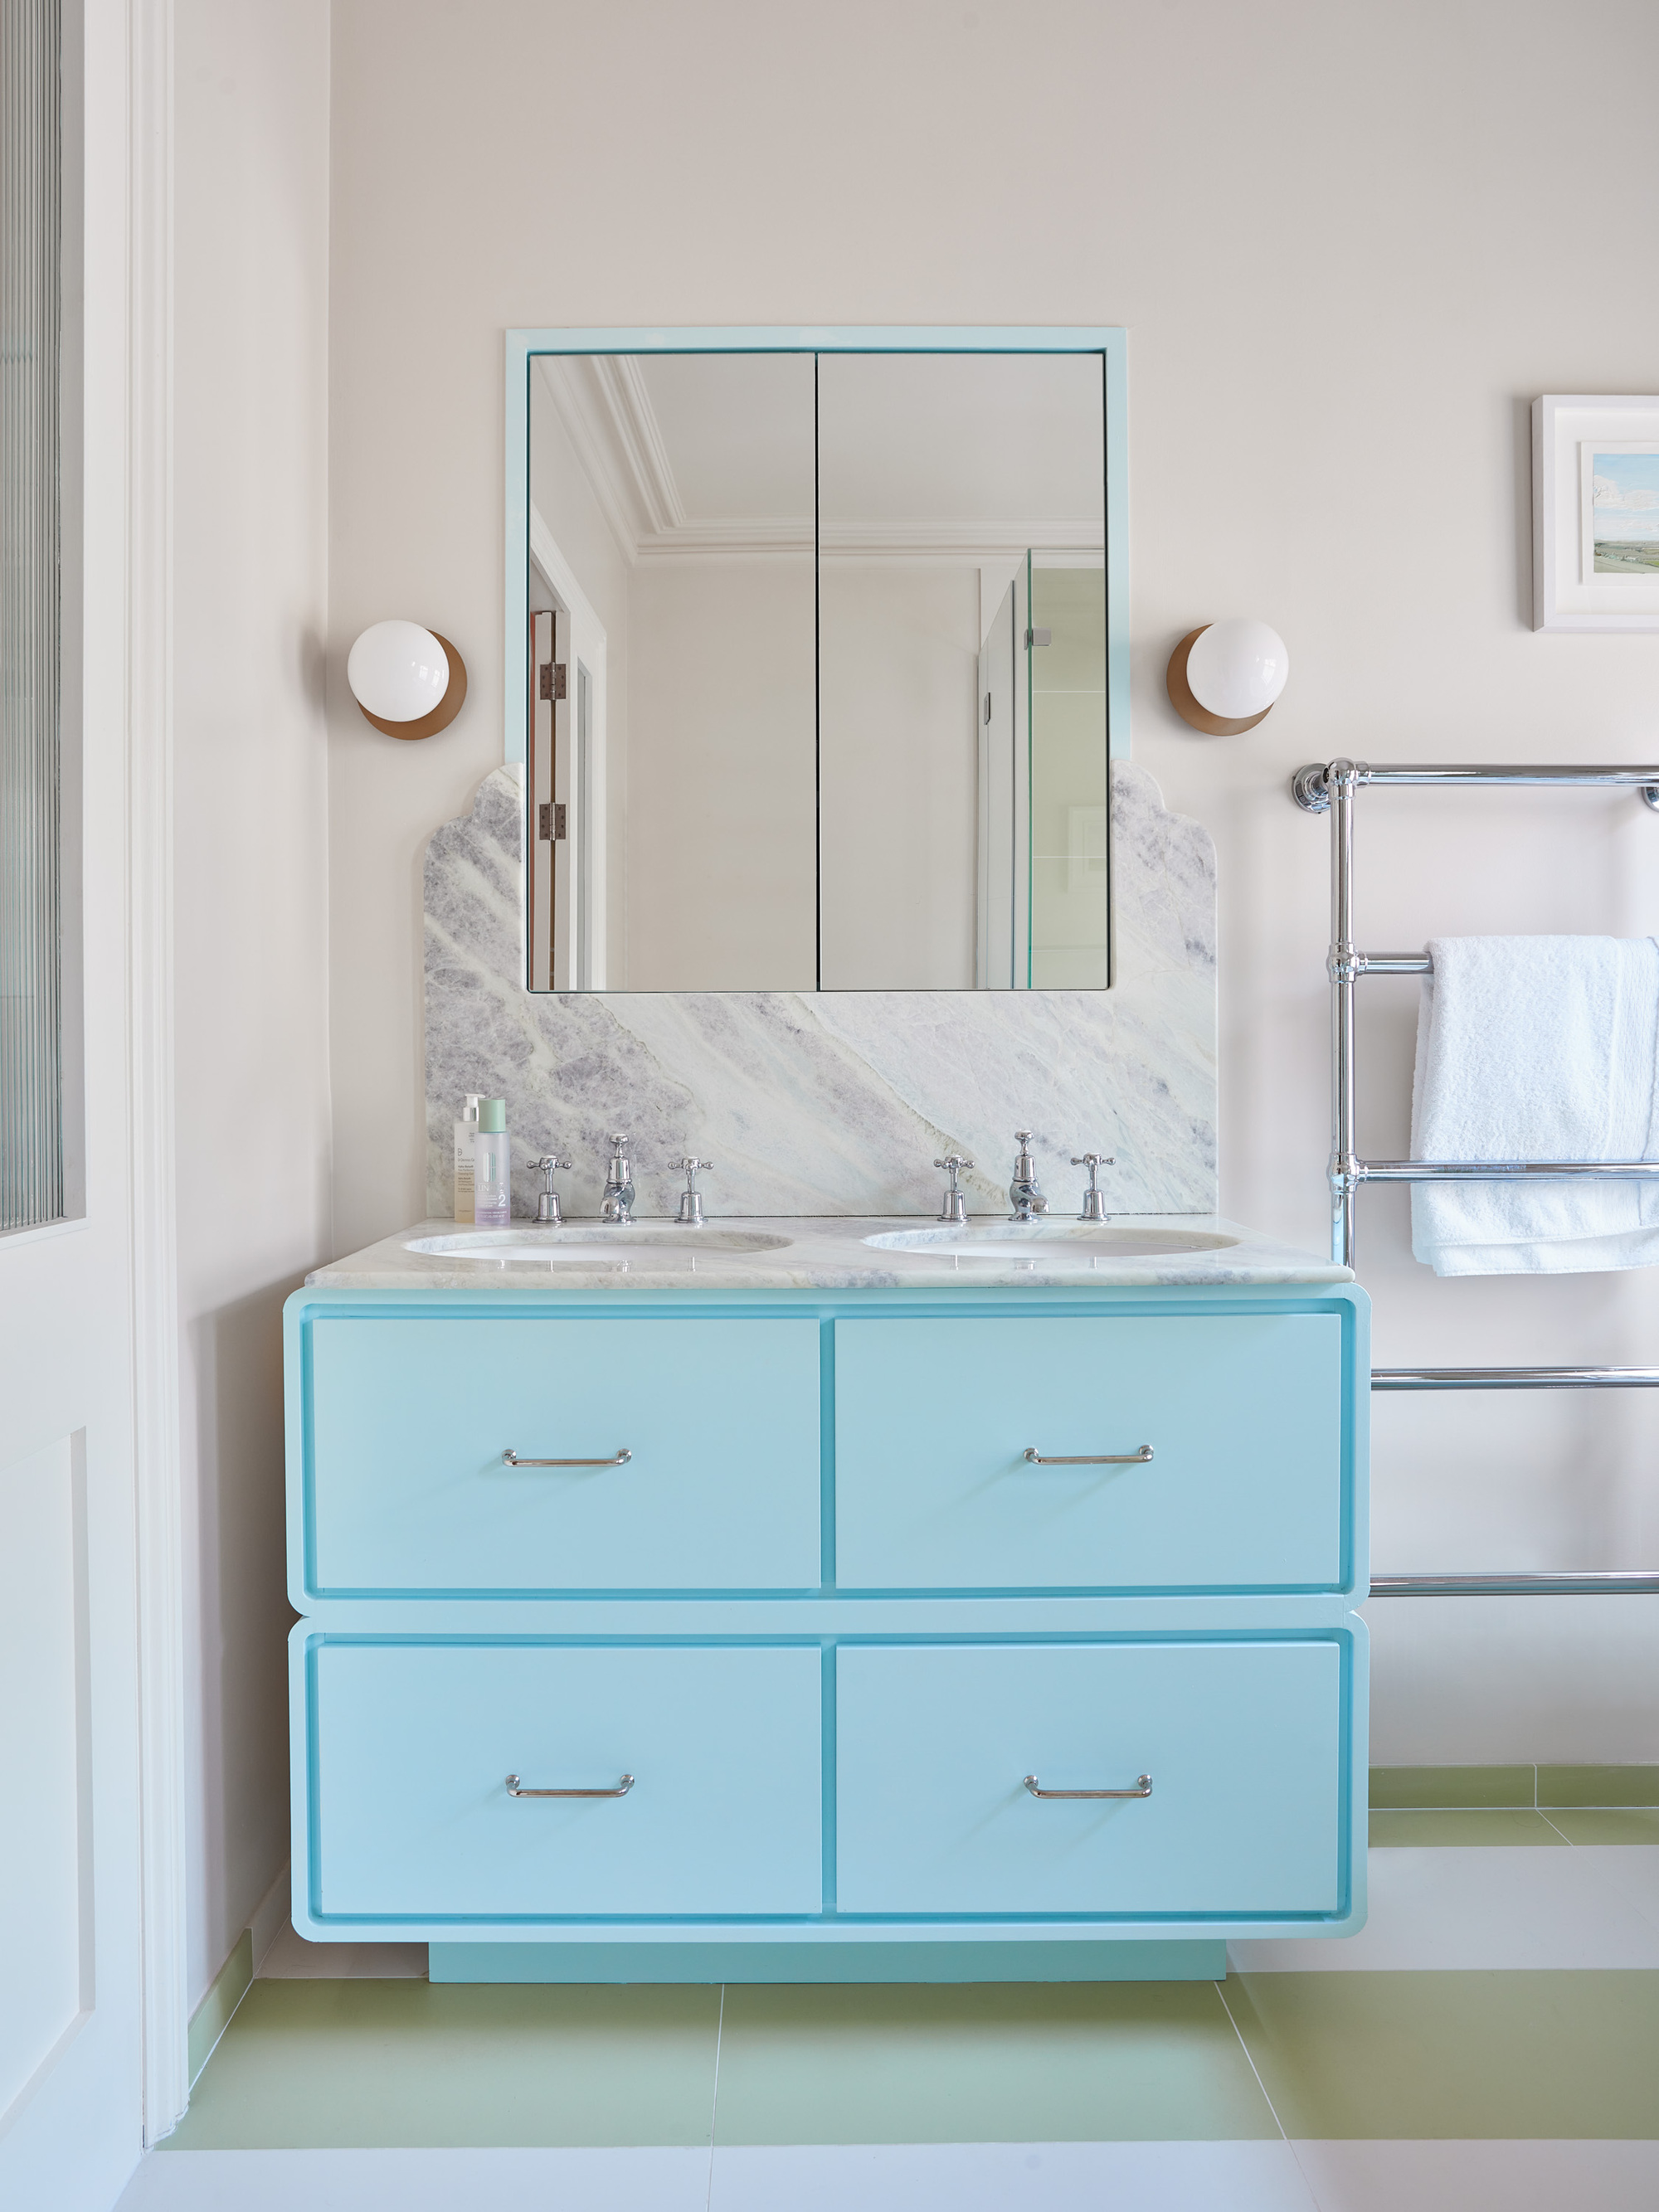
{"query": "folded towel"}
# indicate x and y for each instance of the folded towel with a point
(1537, 1048)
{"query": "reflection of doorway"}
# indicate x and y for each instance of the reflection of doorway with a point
(564, 779)
(1044, 876)
(547, 796)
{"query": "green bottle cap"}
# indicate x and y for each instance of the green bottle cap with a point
(492, 1116)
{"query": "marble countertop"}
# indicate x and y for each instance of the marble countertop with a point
(829, 1253)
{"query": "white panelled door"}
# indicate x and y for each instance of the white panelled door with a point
(91, 2036)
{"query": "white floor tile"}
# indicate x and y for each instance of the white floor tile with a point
(1482, 2177)
(1480, 1908)
(1125, 2177)
(419, 2181)
(291, 1958)
(1630, 1868)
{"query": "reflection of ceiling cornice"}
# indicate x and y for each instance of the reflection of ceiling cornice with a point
(607, 414)
(748, 539)
(638, 437)
(743, 538)
(566, 380)
(606, 411)
(917, 540)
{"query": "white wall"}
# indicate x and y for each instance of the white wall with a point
(251, 890)
(1349, 245)
(721, 817)
(899, 683)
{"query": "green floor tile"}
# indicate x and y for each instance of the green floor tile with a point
(1616, 1826)
(1598, 1785)
(1123, 2063)
(391, 2064)
(1440, 2056)
(1416, 1787)
(1394, 1831)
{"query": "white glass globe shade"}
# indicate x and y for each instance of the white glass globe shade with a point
(397, 671)
(1237, 669)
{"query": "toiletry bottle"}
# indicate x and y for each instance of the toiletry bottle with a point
(466, 1128)
(492, 1174)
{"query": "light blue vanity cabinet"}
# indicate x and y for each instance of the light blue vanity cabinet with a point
(810, 1646)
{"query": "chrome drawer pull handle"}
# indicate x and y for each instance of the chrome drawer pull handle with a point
(510, 1458)
(514, 1790)
(1091, 1459)
(1142, 1789)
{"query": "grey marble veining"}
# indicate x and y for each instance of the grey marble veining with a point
(830, 1254)
(837, 1101)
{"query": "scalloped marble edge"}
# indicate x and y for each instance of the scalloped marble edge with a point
(834, 1101)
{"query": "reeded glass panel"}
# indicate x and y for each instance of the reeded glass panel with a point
(31, 1061)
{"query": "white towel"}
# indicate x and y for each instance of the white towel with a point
(1537, 1048)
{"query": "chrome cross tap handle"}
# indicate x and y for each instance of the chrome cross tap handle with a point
(547, 1205)
(617, 1204)
(953, 1206)
(1024, 1194)
(691, 1212)
(1094, 1204)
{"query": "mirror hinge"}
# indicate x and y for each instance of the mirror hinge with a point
(551, 677)
(1032, 637)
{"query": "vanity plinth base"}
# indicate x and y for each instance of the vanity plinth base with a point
(1085, 1961)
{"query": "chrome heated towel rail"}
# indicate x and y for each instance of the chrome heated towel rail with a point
(1331, 787)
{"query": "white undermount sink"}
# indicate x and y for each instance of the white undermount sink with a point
(589, 1247)
(1049, 1243)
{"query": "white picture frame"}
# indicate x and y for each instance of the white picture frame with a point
(1594, 512)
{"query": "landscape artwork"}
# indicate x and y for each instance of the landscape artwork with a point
(1622, 520)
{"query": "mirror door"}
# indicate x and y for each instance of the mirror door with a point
(855, 730)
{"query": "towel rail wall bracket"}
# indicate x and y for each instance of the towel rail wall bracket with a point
(1330, 788)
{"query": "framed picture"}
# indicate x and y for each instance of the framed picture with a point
(1595, 513)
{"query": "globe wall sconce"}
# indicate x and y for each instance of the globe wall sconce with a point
(1224, 676)
(409, 682)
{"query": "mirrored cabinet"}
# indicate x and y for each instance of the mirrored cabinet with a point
(818, 662)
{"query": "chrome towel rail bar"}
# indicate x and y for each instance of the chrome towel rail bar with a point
(1330, 788)
(1635, 1584)
(1515, 1378)
(1310, 785)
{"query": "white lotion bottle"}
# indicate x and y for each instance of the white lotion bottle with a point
(466, 1130)
(492, 1173)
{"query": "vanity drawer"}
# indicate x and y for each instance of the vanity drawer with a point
(410, 1743)
(1242, 1742)
(407, 1419)
(1243, 1413)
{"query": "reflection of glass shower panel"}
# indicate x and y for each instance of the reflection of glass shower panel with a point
(1070, 851)
(997, 660)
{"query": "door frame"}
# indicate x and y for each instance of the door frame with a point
(157, 1464)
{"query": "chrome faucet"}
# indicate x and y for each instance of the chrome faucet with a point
(953, 1204)
(547, 1202)
(1094, 1198)
(617, 1204)
(1024, 1194)
(691, 1212)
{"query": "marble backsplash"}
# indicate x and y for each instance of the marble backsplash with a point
(834, 1101)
